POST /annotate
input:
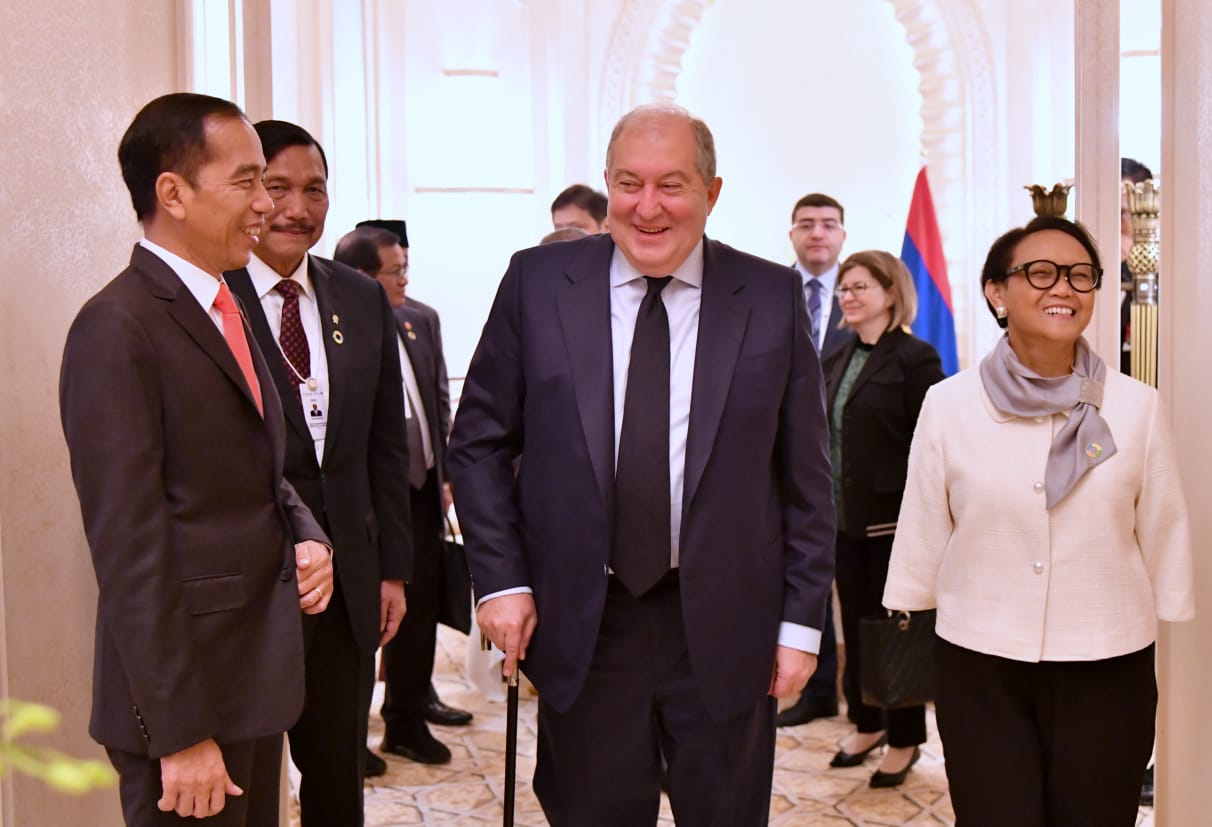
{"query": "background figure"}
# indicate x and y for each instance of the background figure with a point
(875, 384)
(379, 248)
(662, 558)
(581, 207)
(817, 233)
(563, 234)
(176, 441)
(1135, 172)
(333, 343)
(1044, 518)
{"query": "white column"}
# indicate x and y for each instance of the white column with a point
(1096, 51)
(1184, 764)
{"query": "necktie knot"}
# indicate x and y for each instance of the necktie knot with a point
(657, 283)
(224, 302)
(287, 288)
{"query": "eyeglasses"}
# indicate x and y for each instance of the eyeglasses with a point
(856, 288)
(1043, 274)
(394, 273)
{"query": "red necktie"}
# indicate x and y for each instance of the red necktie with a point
(295, 349)
(233, 332)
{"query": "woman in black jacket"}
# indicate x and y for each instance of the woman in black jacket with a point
(875, 386)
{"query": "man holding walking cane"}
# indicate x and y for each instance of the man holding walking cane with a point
(660, 560)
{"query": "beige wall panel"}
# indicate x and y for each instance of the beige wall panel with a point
(72, 75)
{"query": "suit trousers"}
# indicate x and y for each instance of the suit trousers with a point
(862, 569)
(328, 743)
(408, 657)
(599, 762)
(255, 766)
(1050, 743)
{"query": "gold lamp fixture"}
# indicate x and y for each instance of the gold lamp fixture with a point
(1052, 203)
(1144, 212)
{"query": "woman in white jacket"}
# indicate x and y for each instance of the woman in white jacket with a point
(1044, 518)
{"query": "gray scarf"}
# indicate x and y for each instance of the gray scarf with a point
(1085, 440)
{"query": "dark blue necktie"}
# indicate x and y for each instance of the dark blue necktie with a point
(640, 554)
(814, 311)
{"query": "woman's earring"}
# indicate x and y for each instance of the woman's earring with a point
(1000, 311)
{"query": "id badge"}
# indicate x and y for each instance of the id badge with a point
(315, 410)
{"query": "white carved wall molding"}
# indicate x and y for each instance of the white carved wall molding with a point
(959, 139)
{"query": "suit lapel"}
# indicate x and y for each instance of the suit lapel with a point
(191, 316)
(881, 355)
(583, 305)
(333, 340)
(242, 286)
(836, 368)
(723, 317)
(420, 357)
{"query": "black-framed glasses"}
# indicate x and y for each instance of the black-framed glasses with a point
(857, 288)
(1043, 274)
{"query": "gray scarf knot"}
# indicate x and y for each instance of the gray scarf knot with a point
(1085, 440)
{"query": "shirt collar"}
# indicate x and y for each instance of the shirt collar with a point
(827, 279)
(689, 272)
(202, 285)
(264, 277)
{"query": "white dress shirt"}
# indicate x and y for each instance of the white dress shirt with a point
(828, 282)
(264, 278)
(1086, 580)
(412, 401)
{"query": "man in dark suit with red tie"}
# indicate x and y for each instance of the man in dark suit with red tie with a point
(379, 248)
(331, 341)
(661, 560)
(204, 554)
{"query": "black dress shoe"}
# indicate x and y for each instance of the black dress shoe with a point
(375, 766)
(416, 744)
(439, 713)
(894, 779)
(807, 709)
(854, 759)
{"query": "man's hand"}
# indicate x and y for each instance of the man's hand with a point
(313, 563)
(792, 669)
(391, 609)
(509, 622)
(447, 499)
(195, 781)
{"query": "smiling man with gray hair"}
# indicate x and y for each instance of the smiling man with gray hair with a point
(660, 562)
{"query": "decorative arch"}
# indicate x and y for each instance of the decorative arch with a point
(959, 117)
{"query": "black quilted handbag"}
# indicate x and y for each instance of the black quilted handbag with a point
(897, 664)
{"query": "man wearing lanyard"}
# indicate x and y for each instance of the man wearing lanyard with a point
(330, 340)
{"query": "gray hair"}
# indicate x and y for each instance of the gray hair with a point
(704, 160)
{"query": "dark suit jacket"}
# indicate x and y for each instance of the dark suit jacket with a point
(877, 425)
(429, 364)
(757, 537)
(360, 490)
(190, 523)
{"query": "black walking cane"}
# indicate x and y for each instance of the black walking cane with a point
(511, 737)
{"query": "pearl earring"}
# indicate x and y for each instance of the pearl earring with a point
(1000, 311)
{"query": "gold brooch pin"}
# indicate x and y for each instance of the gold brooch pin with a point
(1094, 450)
(338, 337)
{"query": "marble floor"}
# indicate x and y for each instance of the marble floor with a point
(468, 791)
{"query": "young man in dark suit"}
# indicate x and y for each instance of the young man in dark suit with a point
(379, 248)
(204, 554)
(818, 230)
(331, 337)
(660, 558)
